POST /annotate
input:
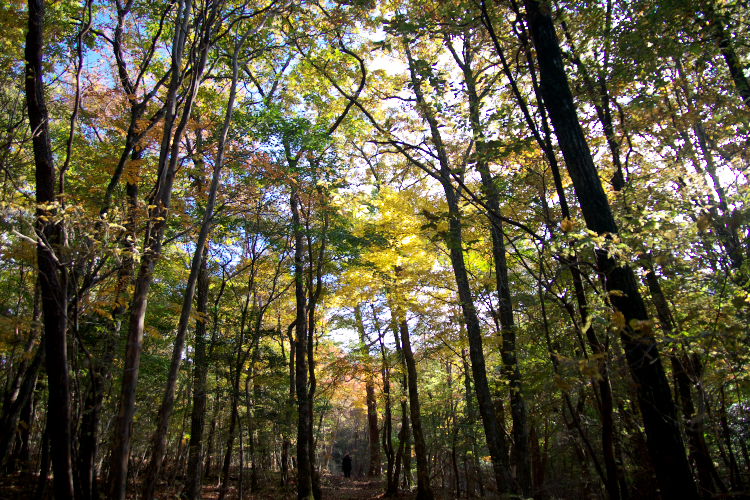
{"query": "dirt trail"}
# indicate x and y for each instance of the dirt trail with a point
(340, 488)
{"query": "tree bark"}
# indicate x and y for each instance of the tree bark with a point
(12, 412)
(724, 42)
(424, 492)
(655, 400)
(521, 455)
(200, 372)
(304, 417)
(158, 212)
(159, 438)
(693, 423)
(372, 411)
(494, 433)
(52, 275)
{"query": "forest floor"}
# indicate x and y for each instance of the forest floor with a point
(335, 487)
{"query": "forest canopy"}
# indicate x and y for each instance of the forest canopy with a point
(462, 248)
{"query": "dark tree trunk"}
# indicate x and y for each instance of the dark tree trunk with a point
(404, 447)
(724, 41)
(521, 455)
(470, 419)
(286, 445)
(210, 443)
(693, 423)
(12, 413)
(420, 449)
(22, 455)
(664, 440)
(52, 274)
(159, 438)
(391, 483)
(158, 212)
(40, 491)
(87, 446)
(304, 417)
(615, 482)
(735, 476)
(372, 411)
(200, 371)
(240, 359)
(493, 430)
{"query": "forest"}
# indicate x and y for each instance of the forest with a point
(483, 248)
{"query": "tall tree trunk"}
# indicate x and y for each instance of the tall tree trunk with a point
(200, 372)
(494, 433)
(471, 417)
(615, 482)
(391, 483)
(240, 359)
(289, 410)
(424, 492)
(735, 477)
(404, 448)
(12, 412)
(40, 492)
(121, 436)
(304, 417)
(159, 438)
(521, 455)
(664, 440)
(372, 412)
(693, 423)
(101, 366)
(52, 274)
(210, 443)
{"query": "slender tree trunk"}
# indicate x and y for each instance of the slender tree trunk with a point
(424, 492)
(121, 437)
(159, 438)
(494, 433)
(21, 459)
(304, 417)
(391, 483)
(200, 372)
(210, 443)
(289, 410)
(664, 440)
(453, 433)
(52, 275)
(521, 453)
(471, 417)
(372, 411)
(42, 482)
(21, 387)
(615, 480)
(240, 359)
(735, 477)
(12, 413)
(693, 423)
(404, 448)
(616, 486)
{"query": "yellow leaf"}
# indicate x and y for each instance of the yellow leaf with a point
(618, 319)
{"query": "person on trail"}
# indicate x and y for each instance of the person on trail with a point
(346, 465)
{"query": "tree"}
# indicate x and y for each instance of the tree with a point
(655, 399)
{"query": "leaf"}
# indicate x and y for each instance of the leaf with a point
(618, 319)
